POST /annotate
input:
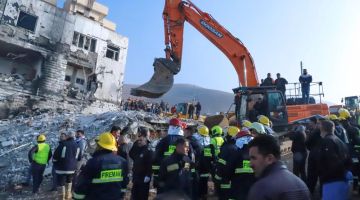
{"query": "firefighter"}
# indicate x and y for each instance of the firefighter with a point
(245, 124)
(224, 165)
(340, 131)
(216, 139)
(257, 129)
(354, 144)
(141, 154)
(39, 157)
(166, 147)
(66, 156)
(205, 160)
(243, 176)
(176, 170)
(262, 119)
(105, 175)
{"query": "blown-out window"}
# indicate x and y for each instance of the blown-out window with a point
(84, 42)
(113, 52)
(27, 21)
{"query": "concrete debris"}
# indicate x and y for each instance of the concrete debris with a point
(18, 135)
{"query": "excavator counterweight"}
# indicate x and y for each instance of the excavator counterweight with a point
(162, 80)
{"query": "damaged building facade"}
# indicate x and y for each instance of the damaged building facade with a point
(54, 50)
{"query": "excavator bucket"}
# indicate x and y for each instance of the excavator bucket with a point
(161, 82)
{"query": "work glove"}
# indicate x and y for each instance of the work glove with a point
(146, 179)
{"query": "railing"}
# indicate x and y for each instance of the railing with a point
(294, 91)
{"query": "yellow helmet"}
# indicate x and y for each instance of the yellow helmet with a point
(203, 130)
(333, 117)
(264, 120)
(107, 141)
(344, 113)
(246, 123)
(41, 138)
(233, 131)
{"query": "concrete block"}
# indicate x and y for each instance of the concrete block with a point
(7, 143)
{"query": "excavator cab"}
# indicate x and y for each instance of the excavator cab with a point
(250, 102)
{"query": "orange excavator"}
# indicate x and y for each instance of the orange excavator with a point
(250, 99)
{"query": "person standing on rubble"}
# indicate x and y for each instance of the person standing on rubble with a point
(105, 175)
(66, 156)
(81, 141)
(53, 170)
(39, 157)
(198, 110)
(305, 79)
(268, 81)
(124, 146)
(141, 154)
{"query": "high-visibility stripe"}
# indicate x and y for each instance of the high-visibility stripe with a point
(172, 167)
(155, 167)
(77, 153)
(193, 170)
(64, 172)
(217, 177)
(78, 196)
(244, 171)
(225, 186)
(155, 175)
(222, 161)
(123, 190)
(108, 180)
(205, 175)
(63, 152)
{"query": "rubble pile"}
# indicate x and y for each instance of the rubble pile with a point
(18, 135)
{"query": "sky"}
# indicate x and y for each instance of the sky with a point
(323, 34)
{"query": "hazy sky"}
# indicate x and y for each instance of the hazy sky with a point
(324, 34)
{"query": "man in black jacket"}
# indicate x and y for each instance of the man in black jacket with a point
(176, 171)
(333, 162)
(141, 154)
(275, 181)
(105, 175)
(66, 156)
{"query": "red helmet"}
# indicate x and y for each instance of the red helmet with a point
(243, 133)
(175, 122)
(184, 125)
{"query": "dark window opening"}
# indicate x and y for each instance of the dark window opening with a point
(75, 38)
(80, 81)
(87, 43)
(81, 41)
(27, 21)
(113, 52)
(93, 45)
(67, 78)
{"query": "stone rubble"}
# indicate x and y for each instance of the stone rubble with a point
(18, 135)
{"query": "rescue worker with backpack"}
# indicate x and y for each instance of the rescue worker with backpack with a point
(39, 157)
(225, 162)
(340, 131)
(105, 175)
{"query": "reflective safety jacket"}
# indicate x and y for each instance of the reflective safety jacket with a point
(41, 154)
(66, 156)
(164, 148)
(216, 143)
(177, 173)
(105, 176)
(243, 175)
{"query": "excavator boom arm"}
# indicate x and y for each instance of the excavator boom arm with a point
(175, 13)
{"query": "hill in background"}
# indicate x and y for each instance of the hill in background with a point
(212, 101)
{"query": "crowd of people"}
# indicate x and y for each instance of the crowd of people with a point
(243, 162)
(280, 84)
(138, 104)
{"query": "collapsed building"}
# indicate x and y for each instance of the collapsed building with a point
(50, 51)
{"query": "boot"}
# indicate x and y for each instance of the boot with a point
(61, 193)
(68, 187)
